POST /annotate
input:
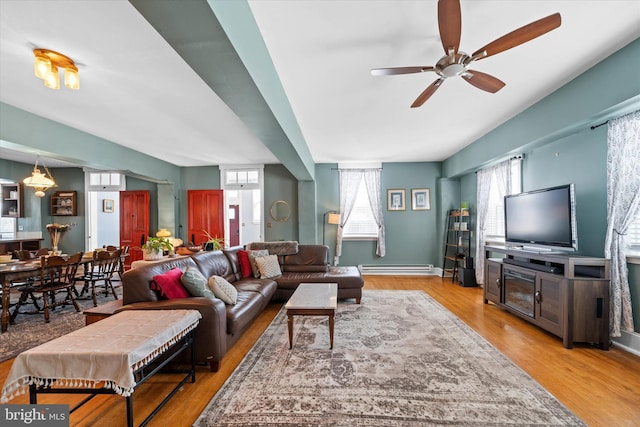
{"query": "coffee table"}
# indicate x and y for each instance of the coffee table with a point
(313, 299)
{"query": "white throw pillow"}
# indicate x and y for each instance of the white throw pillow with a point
(252, 259)
(223, 289)
(268, 266)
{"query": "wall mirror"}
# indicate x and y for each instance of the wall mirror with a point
(280, 211)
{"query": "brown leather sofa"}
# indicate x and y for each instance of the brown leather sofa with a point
(221, 325)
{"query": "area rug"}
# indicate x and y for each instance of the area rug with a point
(399, 359)
(30, 330)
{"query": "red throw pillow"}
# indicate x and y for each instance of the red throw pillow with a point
(169, 284)
(245, 264)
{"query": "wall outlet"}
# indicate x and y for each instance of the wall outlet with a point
(21, 228)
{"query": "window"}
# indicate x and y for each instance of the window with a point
(494, 224)
(105, 181)
(361, 223)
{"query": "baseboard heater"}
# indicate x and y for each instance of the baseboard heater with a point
(400, 269)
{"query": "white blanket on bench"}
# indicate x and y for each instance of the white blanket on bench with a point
(103, 354)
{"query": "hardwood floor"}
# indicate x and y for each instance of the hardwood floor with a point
(601, 387)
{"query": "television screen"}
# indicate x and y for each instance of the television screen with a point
(542, 219)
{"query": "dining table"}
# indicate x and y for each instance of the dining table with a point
(14, 271)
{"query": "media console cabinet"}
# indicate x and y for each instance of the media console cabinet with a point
(564, 294)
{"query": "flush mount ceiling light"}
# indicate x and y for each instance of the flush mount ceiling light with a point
(39, 181)
(46, 67)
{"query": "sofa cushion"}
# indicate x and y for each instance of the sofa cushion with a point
(245, 264)
(268, 266)
(252, 258)
(196, 283)
(169, 284)
(223, 289)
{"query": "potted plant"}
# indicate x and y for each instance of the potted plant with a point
(154, 248)
(213, 243)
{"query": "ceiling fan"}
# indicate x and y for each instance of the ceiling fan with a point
(456, 63)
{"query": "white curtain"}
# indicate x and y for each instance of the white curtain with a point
(498, 176)
(372, 181)
(349, 184)
(623, 206)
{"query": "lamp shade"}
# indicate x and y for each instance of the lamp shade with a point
(52, 80)
(71, 77)
(38, 180)
(333, 218)
(42, 66)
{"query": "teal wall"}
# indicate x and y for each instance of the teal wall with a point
(279, 184)
(559, 147)
(412, 237)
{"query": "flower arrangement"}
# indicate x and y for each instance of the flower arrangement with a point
(56, 231)
(213, 243)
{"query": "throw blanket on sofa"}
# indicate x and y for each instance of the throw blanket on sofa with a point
(275, 248)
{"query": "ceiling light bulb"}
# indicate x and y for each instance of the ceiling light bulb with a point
(42, 66)
(52, 80)
(71, 77)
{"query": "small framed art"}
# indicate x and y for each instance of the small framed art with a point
(396, 200)
(107, 205)
(420, 199)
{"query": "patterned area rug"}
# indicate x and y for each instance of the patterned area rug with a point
(399, 359)
(30, 330)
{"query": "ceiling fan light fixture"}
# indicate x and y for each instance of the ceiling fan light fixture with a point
(46, 65)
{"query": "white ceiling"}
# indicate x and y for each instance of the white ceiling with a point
(137, 91)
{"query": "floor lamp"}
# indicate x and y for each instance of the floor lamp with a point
(330, 217)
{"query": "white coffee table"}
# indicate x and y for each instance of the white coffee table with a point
(313, 299)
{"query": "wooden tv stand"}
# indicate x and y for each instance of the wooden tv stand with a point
(564, 294)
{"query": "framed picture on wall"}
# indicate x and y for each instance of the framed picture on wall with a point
(396, 199)
(107, 205)
(420, 199)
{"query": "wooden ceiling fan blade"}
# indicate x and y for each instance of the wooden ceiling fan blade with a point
(400, 70)
(483, 81)
(519, 36)
(426, 94)
(450, 24)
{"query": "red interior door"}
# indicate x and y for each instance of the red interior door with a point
(134, 222)
(205, 212)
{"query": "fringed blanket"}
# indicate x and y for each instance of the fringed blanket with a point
(105, 353)
(275, 248)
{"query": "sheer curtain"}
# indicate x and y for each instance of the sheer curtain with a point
(372, 181)
(623, 206)
(498, 179)
(349, 183)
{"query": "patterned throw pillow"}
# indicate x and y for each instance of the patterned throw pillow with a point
(245, 264)
(268, 266)
(223, 289)
(252, 258)
(196, 283)
(169, 284)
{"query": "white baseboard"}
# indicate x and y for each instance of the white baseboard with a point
(399, 270)
(629, 341)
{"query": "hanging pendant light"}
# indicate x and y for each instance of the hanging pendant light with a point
(39, 181)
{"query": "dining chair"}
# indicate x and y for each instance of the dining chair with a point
(56, 275)
(101, 269)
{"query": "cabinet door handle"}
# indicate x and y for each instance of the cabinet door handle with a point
(498, 282)
(538, 297)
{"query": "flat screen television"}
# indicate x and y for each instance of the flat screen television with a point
(542, 220)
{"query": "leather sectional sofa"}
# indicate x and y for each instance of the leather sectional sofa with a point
(222, 324)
